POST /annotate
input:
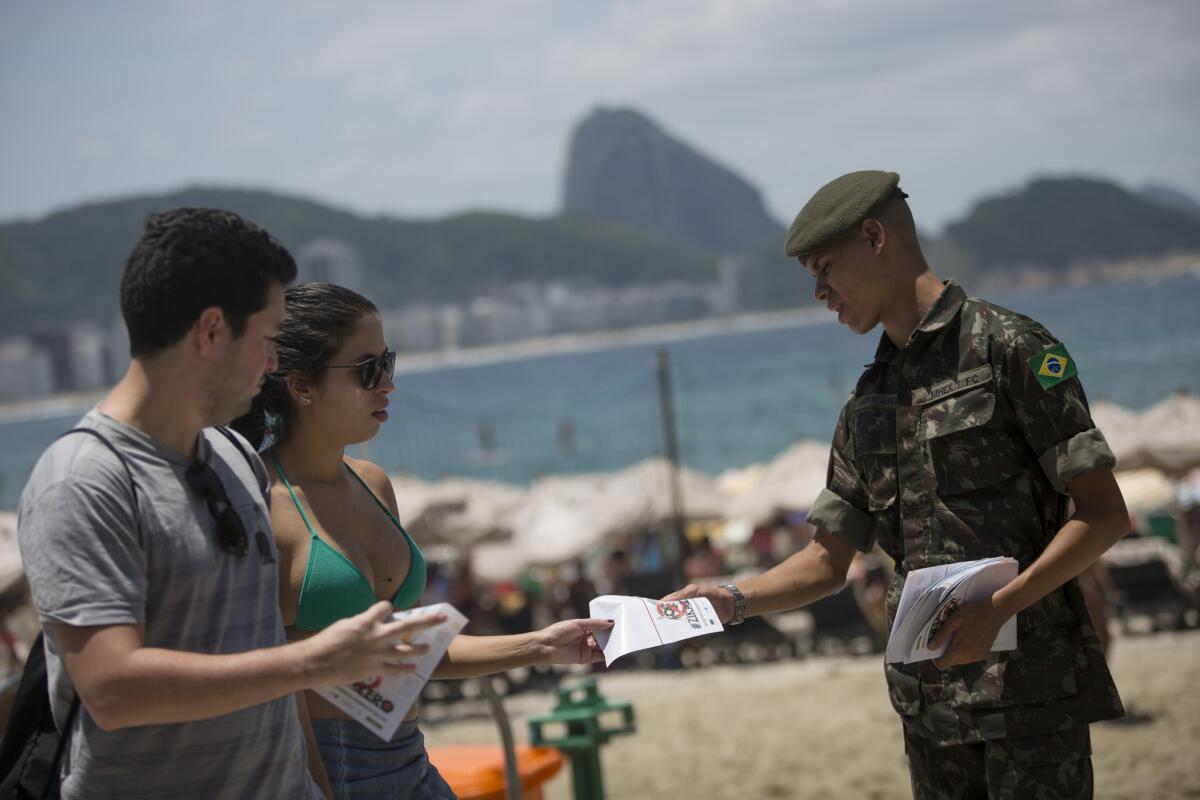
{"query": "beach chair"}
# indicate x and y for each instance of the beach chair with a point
(1147, 576)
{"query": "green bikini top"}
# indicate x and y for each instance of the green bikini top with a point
(333, 587)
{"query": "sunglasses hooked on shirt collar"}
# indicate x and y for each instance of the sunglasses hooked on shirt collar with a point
(231, 533)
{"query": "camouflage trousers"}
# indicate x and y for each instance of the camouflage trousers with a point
(1054, 766)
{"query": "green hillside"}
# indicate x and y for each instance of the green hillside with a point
(1054, 222)
(66, 266)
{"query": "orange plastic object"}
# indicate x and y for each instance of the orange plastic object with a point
(476, 772)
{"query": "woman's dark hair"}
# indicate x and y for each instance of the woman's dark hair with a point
(318, 318)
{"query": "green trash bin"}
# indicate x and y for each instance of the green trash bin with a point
(578, 726)
(1162, 525)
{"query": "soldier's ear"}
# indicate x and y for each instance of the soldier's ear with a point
(874, 233)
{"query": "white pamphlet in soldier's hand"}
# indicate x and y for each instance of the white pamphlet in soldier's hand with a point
(642, 623)
(380, 703)
(932, 594)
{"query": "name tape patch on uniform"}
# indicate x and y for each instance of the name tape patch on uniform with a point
(1053, 366)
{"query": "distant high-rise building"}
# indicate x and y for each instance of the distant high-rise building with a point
(414, 329)
(78, 356)
(25, 370)
(490, 321)
(331, 261)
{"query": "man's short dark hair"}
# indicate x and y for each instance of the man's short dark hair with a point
(191, 259)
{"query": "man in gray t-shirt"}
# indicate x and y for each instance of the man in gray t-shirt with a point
(99, 560)
(159, 603)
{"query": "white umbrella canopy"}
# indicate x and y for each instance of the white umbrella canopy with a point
(499, 561)
(1117, 423)
(11, 568)
(792, 481)
(739, 480)
(458, 511)
(1166, 436)
(561, 518)
(1146, 489)
(412, 493)
(651, 480)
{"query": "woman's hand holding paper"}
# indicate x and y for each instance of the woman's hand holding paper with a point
(571, 641)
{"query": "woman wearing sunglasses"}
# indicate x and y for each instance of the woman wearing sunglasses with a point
(341, 546)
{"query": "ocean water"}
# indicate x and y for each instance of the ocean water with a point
(738, 397)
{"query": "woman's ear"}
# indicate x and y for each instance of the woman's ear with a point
(299, 388)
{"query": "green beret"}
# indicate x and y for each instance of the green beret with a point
(837, 207)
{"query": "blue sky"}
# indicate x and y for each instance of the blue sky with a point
(423, 109)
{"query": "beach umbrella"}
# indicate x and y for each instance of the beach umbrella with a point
(1166, 436)
(791, 482)
(11, 569)
(411, 495)
(456, 511)
(561, 518)
(650, 480)
(739, 480)
(1146, 489)
(1117, 423)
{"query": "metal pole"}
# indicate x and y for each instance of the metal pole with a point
(672, 550)
(512, 779)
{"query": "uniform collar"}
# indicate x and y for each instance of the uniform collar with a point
(943, 311)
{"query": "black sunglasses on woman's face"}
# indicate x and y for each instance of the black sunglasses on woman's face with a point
(371, 369)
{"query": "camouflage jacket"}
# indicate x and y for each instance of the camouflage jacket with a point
(957, 447)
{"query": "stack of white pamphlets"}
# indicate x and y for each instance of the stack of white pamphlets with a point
(932, 594)
(380, 703)
(642, 623)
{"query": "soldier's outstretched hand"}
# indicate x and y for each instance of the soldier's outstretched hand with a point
(721, 599)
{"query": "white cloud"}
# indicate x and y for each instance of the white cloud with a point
(428, 108)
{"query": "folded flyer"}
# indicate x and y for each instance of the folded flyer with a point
(380, 703)
(932, 594)
(642, 623)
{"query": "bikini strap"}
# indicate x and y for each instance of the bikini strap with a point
(375, 497)
(296, 500)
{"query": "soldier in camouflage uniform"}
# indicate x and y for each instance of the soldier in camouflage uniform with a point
(963, 440)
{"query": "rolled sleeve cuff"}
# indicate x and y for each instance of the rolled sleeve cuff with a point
(91, 615)
(836, 516)
(1072, 457)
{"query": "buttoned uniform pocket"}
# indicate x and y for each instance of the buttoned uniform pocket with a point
(969, 447)
(873, 428)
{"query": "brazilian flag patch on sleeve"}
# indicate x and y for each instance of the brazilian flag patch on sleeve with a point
(1052, 367)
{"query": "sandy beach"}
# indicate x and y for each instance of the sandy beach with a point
(823, 728)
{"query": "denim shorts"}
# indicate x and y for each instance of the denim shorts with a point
(361, 766)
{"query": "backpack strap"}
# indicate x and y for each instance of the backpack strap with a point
(137, 522)
(228, 434)
(263, 479)
(124, 464)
